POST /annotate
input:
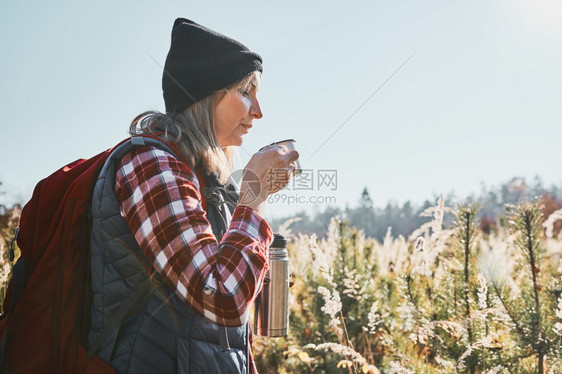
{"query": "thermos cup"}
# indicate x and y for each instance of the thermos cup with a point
(271, 312)
(290, 144)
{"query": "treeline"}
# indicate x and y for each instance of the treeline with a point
(405, 218)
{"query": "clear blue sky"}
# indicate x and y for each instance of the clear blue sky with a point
(479, 101)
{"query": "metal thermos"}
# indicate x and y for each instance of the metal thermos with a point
(271, 313)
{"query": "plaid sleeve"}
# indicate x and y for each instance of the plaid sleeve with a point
(161, 202)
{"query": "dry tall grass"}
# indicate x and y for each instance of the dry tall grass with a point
(444, 300)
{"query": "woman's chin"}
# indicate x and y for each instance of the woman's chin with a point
(233, 143)
(239, 140)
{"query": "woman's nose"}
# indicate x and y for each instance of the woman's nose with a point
(255, 110)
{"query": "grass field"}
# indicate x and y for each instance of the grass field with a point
(444, 300)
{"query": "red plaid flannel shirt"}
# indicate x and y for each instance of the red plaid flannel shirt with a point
(161, 202)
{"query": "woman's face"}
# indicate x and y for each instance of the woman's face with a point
(235, 112)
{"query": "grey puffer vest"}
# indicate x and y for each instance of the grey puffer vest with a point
(166, 336)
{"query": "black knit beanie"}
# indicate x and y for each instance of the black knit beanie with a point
(200, 62)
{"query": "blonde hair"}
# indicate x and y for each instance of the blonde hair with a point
(192, 130)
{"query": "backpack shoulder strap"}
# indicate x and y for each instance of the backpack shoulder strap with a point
(133, 142)
(131, 306)
(141, 295)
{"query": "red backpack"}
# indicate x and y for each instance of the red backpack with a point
(49, 296)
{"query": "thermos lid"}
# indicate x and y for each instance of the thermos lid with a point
(279, 241)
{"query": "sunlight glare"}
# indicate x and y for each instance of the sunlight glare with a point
(544, 17)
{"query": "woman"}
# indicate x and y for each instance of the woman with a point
(152, 215)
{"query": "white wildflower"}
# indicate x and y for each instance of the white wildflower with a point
(332, 306)
(5, 273)
(435, 211)
(422, 268)
(285, 228)
(331, 244)
(430, 240)
(352, 285)
(482, 292)
(392, 255)
(321, 260)
(341, 350)
(406, 313)
(482, 314)
(5, 265)
(332, 301)
(438, 215)
(485, 342)
(436, 225)
(397, 368)
(374, 317)
(349, 353)
(558, 325)
(549, 223)
(422, 334)
(468, 352)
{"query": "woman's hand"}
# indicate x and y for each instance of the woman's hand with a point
(267, 172)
